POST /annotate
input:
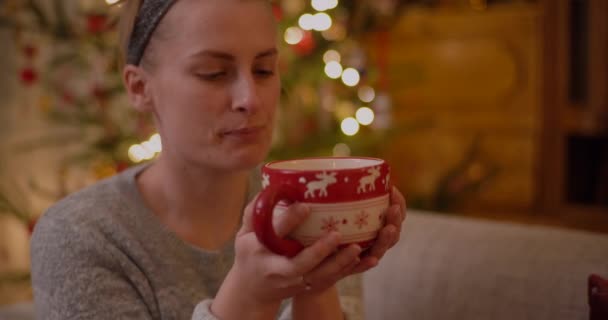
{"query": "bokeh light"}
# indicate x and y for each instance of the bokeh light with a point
(333, 69)
(351, 77)
(365, 116)
(350, 126)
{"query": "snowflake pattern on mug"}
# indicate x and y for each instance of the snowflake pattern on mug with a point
(330, 224)
(361, 219)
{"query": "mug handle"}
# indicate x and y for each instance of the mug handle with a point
(262, 220)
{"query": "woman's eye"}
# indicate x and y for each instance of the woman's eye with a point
(264, 72)
(213, 75)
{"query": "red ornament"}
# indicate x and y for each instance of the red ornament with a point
(306, 46)
(29, 76)
(277, 11)
(96, 23)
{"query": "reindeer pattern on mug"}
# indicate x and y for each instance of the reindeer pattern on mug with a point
(319, 187)
(357, 218)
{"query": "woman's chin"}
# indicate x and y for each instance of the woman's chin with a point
(243, 161)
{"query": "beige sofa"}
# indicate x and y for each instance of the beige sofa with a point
(449, 267)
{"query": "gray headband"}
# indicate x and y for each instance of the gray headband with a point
(150, 14)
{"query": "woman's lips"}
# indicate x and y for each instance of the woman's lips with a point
(246, 133)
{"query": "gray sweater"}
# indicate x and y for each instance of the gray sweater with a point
(102, 254)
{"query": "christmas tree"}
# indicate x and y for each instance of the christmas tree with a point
(334, 99)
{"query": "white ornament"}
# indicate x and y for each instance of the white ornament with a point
(369, 180)
(321, 185)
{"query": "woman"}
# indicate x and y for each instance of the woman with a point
(165, 241)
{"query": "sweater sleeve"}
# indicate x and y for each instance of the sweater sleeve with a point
(203, 311)
(350, 291)
(75, 277)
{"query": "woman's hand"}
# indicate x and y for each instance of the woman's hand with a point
(322, 302)
(260, 279)
(388, 236)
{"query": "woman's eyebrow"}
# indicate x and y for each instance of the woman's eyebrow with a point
(267, 53)
(214, 54)
(227, 56)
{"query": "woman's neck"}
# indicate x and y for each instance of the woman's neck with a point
(203, 207)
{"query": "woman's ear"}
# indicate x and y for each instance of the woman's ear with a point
(136, 82)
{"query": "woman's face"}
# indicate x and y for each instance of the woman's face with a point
(214, 83)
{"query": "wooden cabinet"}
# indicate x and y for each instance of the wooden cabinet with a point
(573, 157)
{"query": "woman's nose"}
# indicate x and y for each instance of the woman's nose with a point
(245, 95)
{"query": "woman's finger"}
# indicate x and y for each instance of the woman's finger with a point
(377, 251)
(312, 256)
(394, 216)
(350, 268)
(365, 264)
(333, 267)
(290, 219)
(385, 239)
(398, 199)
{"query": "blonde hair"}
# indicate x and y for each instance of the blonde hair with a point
(128, 15)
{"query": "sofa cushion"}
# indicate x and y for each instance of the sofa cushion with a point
(450, 267)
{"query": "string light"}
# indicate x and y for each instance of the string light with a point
(350, 126)
(146, 150)
(322, 21)
(350, 77)
(137, 153)
(293, 35)
(366, 94)
(331, 55)
(306, 21)
(365, 116)
(111, 2)
(341, 150)
(333, 69)
(322, 5)
(154, 144)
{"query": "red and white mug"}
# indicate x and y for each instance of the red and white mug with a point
(345, 194)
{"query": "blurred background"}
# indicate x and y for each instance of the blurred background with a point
(494, 109)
